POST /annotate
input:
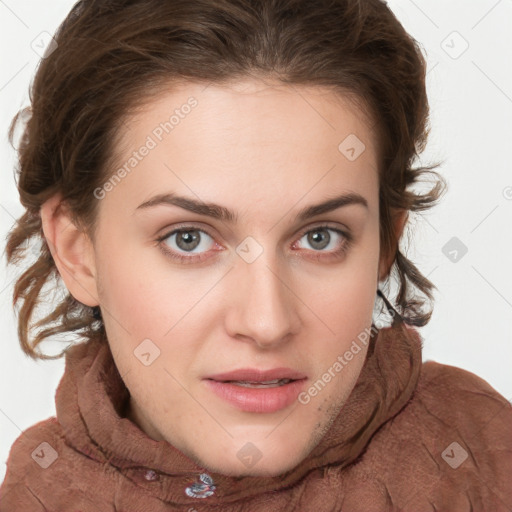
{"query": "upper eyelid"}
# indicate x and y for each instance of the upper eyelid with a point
(324, 225)
(315, 225)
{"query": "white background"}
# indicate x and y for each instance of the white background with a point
(471, 119)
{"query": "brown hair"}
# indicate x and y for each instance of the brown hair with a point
(116, 53)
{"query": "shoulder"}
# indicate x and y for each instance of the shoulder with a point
(462, 418)
(449, 447)
(35, 450)
(462, 401)
(38, 459)
(35, 447)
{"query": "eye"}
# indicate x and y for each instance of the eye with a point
(186, 240)
(326, 244)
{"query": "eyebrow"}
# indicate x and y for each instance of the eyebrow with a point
(224, 214)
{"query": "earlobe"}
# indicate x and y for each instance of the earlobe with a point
(72, 251)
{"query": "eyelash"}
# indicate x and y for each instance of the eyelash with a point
(338, 253)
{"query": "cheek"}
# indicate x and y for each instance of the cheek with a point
(128, 295)
(344, 305)
(343, 302)
(132, 285)
(152, 302)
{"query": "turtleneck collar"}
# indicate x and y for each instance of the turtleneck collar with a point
(91, 399)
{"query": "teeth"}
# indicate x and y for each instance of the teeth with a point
(266, 384)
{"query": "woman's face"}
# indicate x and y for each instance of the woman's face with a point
(279, 282)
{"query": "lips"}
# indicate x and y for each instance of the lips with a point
(258, 391)
(257, 398)
(256, 375)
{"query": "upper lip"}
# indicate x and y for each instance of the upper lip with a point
(255, 375)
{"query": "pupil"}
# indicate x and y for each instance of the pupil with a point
(187, 239)
(319, 239)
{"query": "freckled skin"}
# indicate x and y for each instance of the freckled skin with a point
(263, 151)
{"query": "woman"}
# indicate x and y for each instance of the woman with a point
(222, 186)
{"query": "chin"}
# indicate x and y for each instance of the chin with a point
(265, 463)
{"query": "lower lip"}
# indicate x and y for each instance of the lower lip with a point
(270, 399)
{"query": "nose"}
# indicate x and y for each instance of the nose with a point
(262, 307)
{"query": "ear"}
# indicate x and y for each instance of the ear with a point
(72, 251)
(399, 220)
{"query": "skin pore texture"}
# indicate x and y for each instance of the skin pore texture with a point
(266, 152)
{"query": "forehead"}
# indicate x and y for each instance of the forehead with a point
(254, 105)
(249, 135)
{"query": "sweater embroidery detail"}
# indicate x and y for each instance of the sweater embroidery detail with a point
(201, 489)
(151, 475)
